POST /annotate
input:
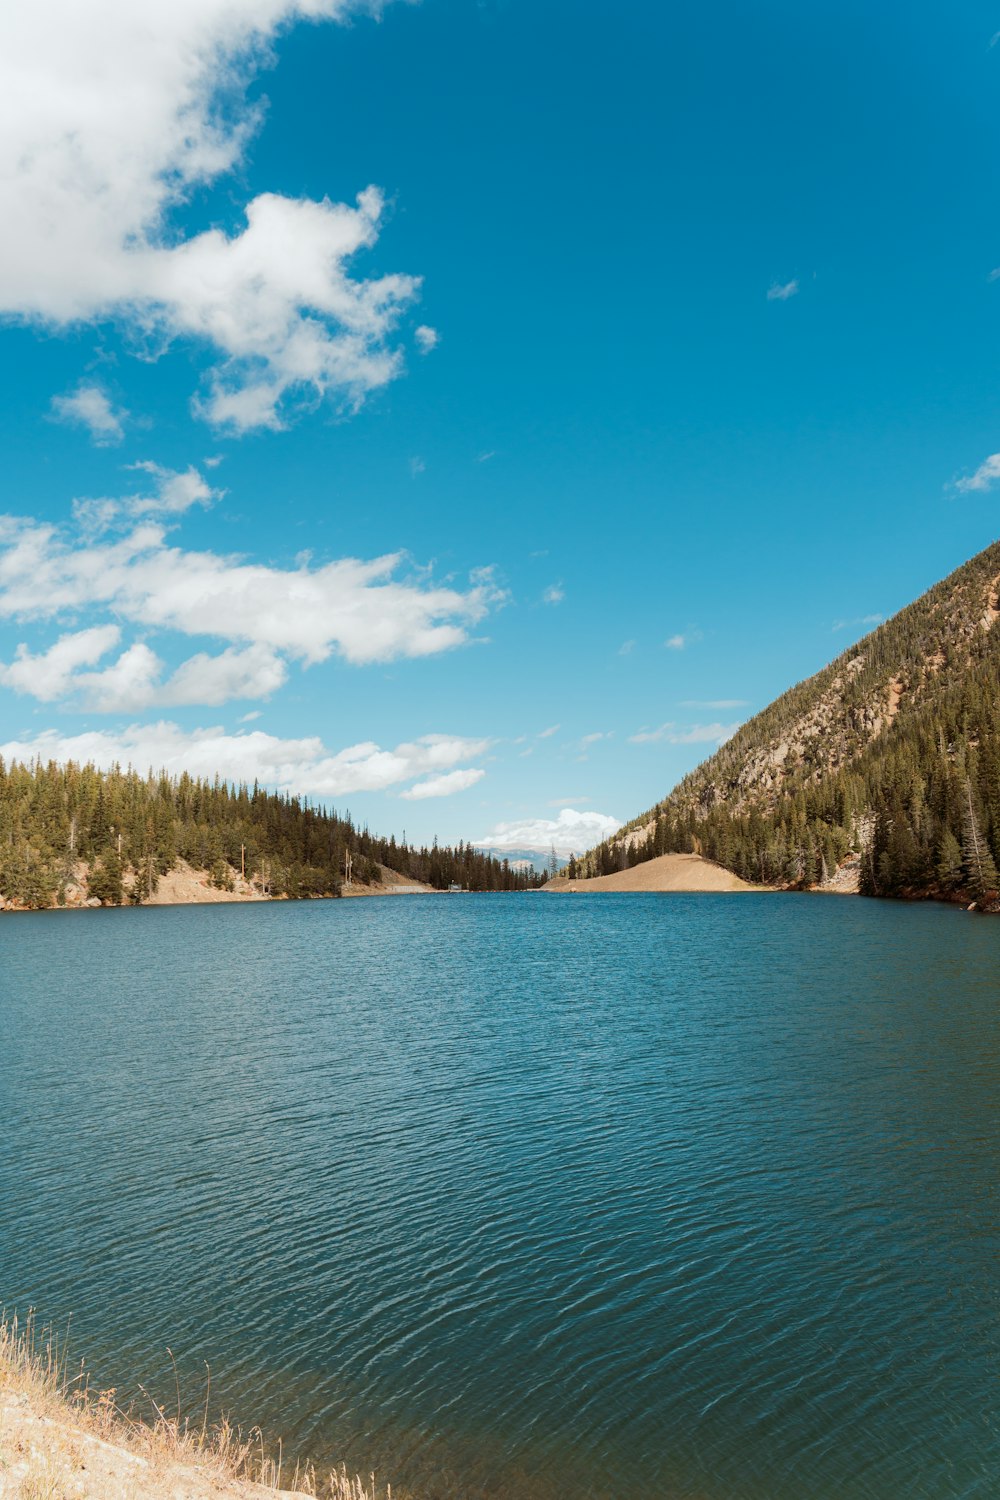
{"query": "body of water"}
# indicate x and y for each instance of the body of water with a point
(665, 1197)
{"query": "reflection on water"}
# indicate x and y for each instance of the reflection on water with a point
(687, 1196)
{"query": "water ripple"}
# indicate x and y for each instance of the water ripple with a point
(688, 1198)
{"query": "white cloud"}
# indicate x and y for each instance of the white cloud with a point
(626, 648)
(571, 832)
(176, 491)
(111, 115)
(302, 766)
(427, 338)
(129, 683)
(715, 703)
(91, 407)
(678, 734)
(675, 643)
(444, 786)
(417, 466)
(50, 674)
(173, 492)
(484, 458)
(546, 734)
(984, 478)
(134, 681)
(554, 594)
(255, 672)
(781, 291)
(859, 620)
(359, 609)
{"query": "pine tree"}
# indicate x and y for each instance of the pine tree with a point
(980, 869)
(948, 867)
(106, 880)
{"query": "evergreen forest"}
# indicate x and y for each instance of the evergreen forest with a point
(888, 759)
(119, 832)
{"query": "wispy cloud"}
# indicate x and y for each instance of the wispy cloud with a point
(626, 648)
(571, 832)
(444, 786)
(546, 734)
(90, 406)
(714, 703)
(676, 642)
(782, 291)
(169, 493)
(866, 620)
(554, 594)
(680, 734)
(427, 338)
(484, 458)
(984, 478)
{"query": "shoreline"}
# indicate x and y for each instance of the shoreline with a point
(58, 1439)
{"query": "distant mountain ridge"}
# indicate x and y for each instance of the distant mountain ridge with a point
(886, 762)
(539, 860)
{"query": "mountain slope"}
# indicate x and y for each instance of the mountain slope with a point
(889, 756)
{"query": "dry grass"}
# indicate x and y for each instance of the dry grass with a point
(61, 1440)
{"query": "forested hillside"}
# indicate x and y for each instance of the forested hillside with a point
(888, 759)
(118, 832)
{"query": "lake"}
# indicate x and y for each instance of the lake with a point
(686, 1197)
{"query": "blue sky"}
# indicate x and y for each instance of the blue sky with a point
(656, 361)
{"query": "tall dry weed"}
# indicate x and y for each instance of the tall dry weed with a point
(34, 1366)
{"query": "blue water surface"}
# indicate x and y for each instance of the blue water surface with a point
(692, 1197)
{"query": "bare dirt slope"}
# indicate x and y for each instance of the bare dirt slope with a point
(391, 883)
(669, 872)
(183, 886)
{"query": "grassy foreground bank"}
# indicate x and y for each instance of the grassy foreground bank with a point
(59, 1440)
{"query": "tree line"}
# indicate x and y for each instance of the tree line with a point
(129, 830)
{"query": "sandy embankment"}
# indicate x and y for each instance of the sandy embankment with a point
(668, 872)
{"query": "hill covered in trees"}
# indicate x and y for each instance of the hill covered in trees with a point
(886, 763)
(112, 835)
